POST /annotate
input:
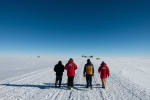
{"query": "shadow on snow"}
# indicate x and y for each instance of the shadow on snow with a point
(80, 87)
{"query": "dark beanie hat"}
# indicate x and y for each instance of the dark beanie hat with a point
(103, 63)
(70, 59)
(89, 61)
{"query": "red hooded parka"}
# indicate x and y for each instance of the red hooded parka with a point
(71, 67)
(104, 71)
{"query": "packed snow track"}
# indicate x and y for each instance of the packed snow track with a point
(39, 85)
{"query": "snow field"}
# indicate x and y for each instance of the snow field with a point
(39, 85)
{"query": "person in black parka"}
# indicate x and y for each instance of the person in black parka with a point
(59, 69)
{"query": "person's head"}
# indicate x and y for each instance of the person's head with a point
(59, 62)
(103, 63)
(88, 61)
(70, 60)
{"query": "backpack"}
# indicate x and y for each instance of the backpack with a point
(89, 70)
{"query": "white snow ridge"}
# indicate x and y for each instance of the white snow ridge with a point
(128, 80)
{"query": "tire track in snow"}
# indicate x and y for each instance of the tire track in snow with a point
(18, 84)
(102, 95)
(124, 89)
(31, 80)
(54, 96)
(48, 95)
(22, 77)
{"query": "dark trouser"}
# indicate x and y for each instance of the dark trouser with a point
(70, 81)
(58, 78)
(89, 80)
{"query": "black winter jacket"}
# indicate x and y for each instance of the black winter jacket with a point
(59, 69)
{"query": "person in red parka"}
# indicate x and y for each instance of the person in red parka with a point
(70, 67)
(104, 73)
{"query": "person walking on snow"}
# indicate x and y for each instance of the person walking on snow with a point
(88, 73)
(71, 67)
(59, 69)
(104, 73)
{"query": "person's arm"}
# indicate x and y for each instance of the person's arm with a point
(93, 70)
(99, 70)
(84, 71)
(66, 66)
(55, 68)
(108, 72)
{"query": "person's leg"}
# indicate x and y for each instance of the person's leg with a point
(56, 81)
(90, 79)
(87, 81)
(68, 81)
(60, 80)
(72, 81)
(102, 82)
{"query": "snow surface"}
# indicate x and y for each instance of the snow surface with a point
(15, 66)
(32, 78)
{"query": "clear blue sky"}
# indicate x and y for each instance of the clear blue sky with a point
(75, 27)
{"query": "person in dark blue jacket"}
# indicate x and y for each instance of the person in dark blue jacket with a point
(59, 69)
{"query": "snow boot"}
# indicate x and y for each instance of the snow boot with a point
(103, 87)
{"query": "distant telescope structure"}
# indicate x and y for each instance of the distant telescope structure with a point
(38, 56)
(91, 56)
(83, 56)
